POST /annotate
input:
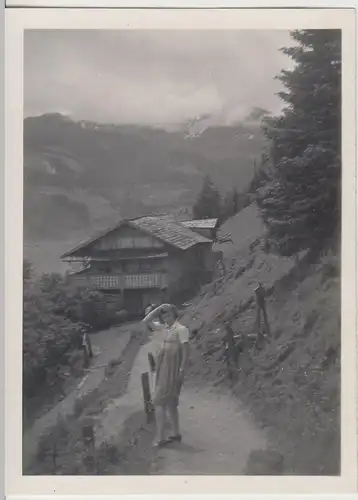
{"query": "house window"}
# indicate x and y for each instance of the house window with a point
(146, 266)
(104, 268)
(132, 267)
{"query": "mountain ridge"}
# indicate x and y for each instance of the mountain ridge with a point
(82, 176)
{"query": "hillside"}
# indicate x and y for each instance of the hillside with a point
(244, 229)
(80, 176)
(285, 403)
(292, 383)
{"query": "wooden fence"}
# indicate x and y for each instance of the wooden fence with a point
(233, 343)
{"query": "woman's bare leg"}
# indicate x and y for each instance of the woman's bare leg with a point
(160, 420)
(173, 415)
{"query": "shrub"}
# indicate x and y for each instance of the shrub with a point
(47, 337)
(55, 314)
(94, 309)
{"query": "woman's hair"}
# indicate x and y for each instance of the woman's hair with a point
(174, 311)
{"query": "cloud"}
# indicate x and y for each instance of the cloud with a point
(152, 77)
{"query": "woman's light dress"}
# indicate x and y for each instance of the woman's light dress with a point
(168, 357)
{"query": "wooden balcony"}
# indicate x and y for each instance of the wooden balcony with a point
(122, 282)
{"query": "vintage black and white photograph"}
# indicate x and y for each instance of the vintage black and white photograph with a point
(182, 252)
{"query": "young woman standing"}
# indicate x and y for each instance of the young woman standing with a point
(171, 361)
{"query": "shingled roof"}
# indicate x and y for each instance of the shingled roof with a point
(202, 223)
(169, 230)
(164, 227)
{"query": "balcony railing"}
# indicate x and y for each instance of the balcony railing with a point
(123, 282)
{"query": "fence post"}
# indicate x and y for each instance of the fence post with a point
(231, 344)
(266, 322)
(151, 362)
(89, 447)
(261, 308)
(222, 268)
(54, 456)
(231, 353)
(152, 366)
(85, 357)
(89, 343)
(148, 407)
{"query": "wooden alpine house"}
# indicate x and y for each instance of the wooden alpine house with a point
(148, 260)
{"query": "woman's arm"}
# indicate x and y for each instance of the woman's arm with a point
(184, 339)
(185, 356)
(153, 314)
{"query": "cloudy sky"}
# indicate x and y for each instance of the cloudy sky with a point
(152, 77)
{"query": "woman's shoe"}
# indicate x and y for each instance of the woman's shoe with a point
(160, 444)
(175, 439)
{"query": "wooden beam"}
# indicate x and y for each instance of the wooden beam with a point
(88, 436)
(148, 406)
(231, 358)
(151, 361)
(261, 310)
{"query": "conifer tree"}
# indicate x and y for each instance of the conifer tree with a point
(231, 204)
(208, 203)
(235, 201)
(299, 199)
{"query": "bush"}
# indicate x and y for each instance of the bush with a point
(94, 309)
(55, 314)
(47, 337)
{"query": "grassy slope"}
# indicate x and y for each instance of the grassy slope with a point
(292, 384)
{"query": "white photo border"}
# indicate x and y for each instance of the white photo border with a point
(18, 20)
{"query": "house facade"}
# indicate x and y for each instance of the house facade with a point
(147, 260)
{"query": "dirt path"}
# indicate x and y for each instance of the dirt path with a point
(218, 436)
(117, 411)
(218, 433)
(107, 345)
